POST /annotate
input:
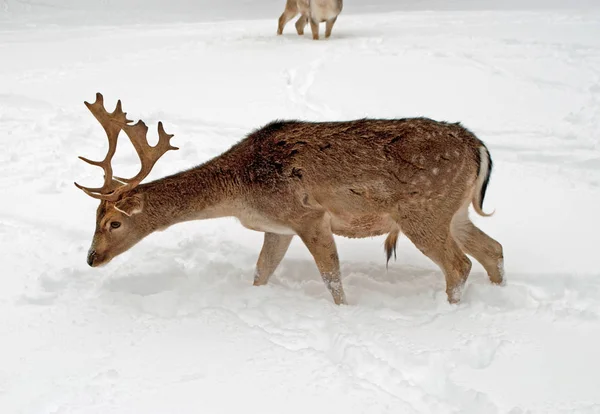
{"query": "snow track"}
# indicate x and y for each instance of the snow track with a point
(174, 325)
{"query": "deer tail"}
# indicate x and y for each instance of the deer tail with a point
(390, 245)
(483, 179)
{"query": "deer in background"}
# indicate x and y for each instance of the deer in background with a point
(313, 180)
(313, 11)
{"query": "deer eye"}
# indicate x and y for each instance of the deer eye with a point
(115, 224)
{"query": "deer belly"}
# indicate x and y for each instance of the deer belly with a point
(368, 225)
(258, 222)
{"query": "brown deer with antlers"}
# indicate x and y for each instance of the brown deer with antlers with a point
(358, 178)
(313, 11)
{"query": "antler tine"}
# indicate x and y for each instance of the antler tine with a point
(92, 192)
(112, 123)
(148, 155)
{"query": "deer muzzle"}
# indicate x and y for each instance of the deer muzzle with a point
(94, 259)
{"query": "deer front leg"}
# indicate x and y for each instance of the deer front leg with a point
(319, 239)
(314, 27)
(273, 250)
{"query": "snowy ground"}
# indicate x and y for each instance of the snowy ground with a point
(174, 325)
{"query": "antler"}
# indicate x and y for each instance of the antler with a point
(113, 123)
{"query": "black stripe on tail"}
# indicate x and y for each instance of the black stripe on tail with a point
(486, 180)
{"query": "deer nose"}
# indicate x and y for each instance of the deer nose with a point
(91, 256)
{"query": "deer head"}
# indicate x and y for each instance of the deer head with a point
(120, 219)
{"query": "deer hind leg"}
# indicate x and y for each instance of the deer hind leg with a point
(274, 248)
(291, 10)
(318, 238)
(433, 237)
(482, 247)
(301, 24)
(329, 26)
(314, 28)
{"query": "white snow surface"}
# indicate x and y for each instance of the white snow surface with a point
(175, 325)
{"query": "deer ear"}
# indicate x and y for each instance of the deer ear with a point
(130, 205)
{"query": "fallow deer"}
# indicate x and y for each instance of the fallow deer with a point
(313, 11)
(355, 179)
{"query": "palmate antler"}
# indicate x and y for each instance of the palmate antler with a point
(113, 123)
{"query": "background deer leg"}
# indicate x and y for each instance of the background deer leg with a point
(314, 27)
(301, 24)
(482, 247)
(319, 240)
(329, 25)
(291, 9)
(273, 250)
(432, 236)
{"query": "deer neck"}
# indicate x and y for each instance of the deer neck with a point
(204, 192)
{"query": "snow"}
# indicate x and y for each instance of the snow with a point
(175, 325)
